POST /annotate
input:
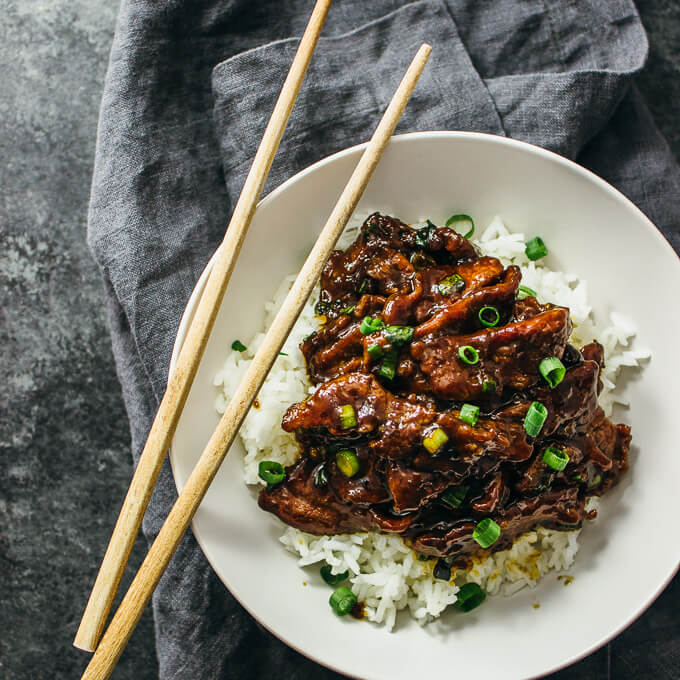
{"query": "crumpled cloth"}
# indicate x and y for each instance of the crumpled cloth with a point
(189, 89)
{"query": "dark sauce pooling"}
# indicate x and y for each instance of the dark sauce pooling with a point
(406, 387)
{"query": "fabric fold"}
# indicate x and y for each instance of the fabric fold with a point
(349, 84)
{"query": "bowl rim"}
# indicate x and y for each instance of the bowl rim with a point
(484, 137)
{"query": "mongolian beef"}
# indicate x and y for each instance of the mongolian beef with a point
(450, 408)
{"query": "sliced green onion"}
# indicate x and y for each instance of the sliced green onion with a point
(388, 367)
(534, 419)
(442, 570)
(535, 249)
(455, 495)
(451, 284)
(320, 477)
(464, 221)
(469, 414)
(488, 316)
(435, 440)
(420, 260)
(331, 578)
(553, 370)
(469, 597)
(423, 235)
(555, 458)
(271, 472)
(238, 346)
(362, 286)
(375, 351)
(468, 354)
(348, 310)
(525, 292)
(321, 308)
(348, 416)
(283, 354)
(489, 386)
(347, 462)
(595, 481)
(486, 533)
(370, 325)
(398, 335)
(342, 601)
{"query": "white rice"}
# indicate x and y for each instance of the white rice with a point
(385, 574)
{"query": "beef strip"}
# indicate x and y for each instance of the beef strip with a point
(509, 355)
(452, 536)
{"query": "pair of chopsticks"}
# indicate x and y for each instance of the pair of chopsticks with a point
(130, 610)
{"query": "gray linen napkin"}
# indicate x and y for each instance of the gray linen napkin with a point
(188, 92)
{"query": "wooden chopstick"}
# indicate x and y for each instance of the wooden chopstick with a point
(126, 618)
(179, 383)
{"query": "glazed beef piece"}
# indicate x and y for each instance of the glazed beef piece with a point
(410, 432)
(508, 355)
(302, 504)
(398, 425)
(441, 536)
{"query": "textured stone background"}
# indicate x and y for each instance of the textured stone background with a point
(64, 442)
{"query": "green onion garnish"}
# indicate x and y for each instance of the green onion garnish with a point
(535, 249)
(398, 335)
(363, 285)
(469, 414)
(348, 310)
(553, 370)
(435, 440)
(388, 367)
(488, 316)
(555, 458)
(469, 597)
(331, 578)
(342, 601)
(238, 346)
(420, 260)
(370, 325)
(348, 416)
(489, 386)
(462, 221)
(451, 284)
(320, 477)
(321, 307)
(442, 570)
(468, 354)
(595, 481)
(535, 417)
(423, 235)
(375, 351)
(525, 292)
(455, 495)
(347, 462)
(486, 533)
(271, 472)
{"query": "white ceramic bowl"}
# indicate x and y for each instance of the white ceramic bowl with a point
(626, 557)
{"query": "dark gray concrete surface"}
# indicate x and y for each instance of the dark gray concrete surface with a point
(64, 442)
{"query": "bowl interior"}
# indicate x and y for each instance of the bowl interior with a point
(626, 556)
